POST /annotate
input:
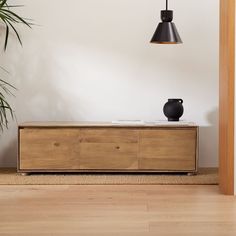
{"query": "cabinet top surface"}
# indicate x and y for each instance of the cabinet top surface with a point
(105, 124)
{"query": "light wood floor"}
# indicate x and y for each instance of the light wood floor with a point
(116, 210)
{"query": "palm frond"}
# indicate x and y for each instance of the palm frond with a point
(10, 19)
(5, 107)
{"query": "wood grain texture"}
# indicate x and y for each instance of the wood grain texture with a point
(109, 135)
(108, 156)
(108, 149)
(168, 149)
(116, 210)
(49, 149)
(226, 105)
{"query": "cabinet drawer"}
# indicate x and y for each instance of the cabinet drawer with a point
(49, 148)
(109, 149)
(168, 149)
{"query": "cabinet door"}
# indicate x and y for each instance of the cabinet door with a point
(108, 148)
(49, 148)
(168, 149)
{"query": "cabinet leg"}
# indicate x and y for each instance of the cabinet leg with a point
(191, 173)
(24, 174)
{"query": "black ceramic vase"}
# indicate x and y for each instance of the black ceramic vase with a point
(173, 109)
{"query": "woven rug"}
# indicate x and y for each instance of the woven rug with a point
(206, 176)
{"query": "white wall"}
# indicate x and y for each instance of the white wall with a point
(91, 60)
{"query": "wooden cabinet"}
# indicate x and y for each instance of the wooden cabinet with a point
(81, 147)
(108, 149)
(49, 148)
(168, 149)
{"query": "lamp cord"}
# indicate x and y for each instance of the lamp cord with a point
(166, 4)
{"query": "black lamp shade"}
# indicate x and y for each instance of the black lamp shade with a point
(166, 33)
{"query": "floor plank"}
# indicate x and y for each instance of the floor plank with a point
(116, 210)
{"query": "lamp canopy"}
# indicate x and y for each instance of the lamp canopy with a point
(166, 32)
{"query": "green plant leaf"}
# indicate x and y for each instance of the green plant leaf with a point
(5, 82)
(18, 36)
(2, 3)
(10, 20)
(12, 6)
(16, 16)
(6, 37)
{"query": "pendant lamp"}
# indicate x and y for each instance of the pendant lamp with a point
(166, 32)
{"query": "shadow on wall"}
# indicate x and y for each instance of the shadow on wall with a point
(209, 146)
(37, 97)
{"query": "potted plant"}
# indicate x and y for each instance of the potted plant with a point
(9, 19)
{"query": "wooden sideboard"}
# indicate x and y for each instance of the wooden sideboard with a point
(106, 147)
